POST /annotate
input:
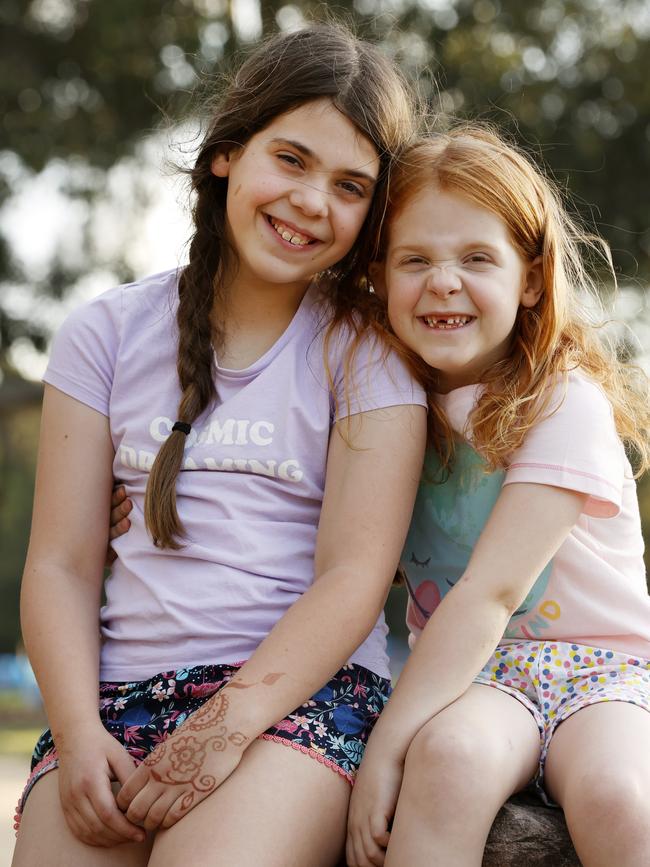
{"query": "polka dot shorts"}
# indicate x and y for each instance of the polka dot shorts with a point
(556, 679)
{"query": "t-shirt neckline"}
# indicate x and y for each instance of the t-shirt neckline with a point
(271, 353)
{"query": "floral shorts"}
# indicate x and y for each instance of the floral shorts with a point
(332, 726)
(556, 679)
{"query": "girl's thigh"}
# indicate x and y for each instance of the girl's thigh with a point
(280, 808)
(601, 749)
(45, 839)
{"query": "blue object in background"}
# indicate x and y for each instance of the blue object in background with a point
(16, 675)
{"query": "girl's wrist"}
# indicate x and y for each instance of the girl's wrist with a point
(67, 738)
(387, 742)
(227, 720)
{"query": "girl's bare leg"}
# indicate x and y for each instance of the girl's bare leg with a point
(45, 839)
(280, 808)
(460, 769)
(598, 769)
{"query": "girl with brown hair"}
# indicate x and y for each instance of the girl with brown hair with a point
(270, 443)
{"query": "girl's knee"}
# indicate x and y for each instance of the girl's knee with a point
(449, 758)
(612, 795)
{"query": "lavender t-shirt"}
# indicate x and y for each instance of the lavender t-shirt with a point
(251, 486)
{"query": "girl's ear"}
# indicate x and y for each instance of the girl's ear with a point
(534, 284)
(220, 166)
(377, 271)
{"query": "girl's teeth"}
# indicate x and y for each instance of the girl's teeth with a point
(446, 322)
(294, 238)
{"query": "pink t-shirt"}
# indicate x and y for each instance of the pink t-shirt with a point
(594, 590)
(251, 486)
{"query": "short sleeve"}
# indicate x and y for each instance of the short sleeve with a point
(576, 447)
(373, 376)
(82, 358)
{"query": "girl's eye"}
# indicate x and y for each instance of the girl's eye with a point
(290, 159)
(413, 260)
(354, 189)
(478, 259)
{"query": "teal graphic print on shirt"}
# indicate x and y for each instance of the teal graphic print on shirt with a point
(448, 519)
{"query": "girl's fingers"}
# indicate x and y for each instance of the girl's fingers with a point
(143, 801)
(373, 852)
(379, 830)
(159, 810)
(131, 787)
(119, 529)
(113, 824)
(179, 808)
(351, 852)
(120, 510)
(121, 764)
(90, 828)
(356, 851)
(118, 496)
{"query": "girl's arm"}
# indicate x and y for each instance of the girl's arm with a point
(60, 601)
(369, 494)
(528, 524)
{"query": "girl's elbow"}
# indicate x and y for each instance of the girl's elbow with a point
(500, 597)
(509, 599)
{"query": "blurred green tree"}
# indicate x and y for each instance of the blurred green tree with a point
(82, 81)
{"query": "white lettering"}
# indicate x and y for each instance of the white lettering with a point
(128, 456)
(290, 471)
(242, 427)
(217, 433)
(145, 460)
(261, 469)
(140, 460)
(160, 428)
(256, 433)
(226, 464)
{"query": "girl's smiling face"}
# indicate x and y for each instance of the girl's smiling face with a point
(298, 193)
(455, 281)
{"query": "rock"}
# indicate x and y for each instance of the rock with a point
(528, 834)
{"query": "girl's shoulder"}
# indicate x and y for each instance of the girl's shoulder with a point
(155, 294)
(577, 398)
(122, 311)
(359, 368)
(121, 321)
(575, 445)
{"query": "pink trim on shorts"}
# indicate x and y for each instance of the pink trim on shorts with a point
(313, 753)
(49, 763)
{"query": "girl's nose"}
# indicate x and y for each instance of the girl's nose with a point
(312, 201)
(443, 280)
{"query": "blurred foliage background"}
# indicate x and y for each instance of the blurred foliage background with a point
(91, 93)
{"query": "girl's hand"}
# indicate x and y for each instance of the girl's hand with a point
(119, 522)
(372, 806)
(186, 768)
(86, 772)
